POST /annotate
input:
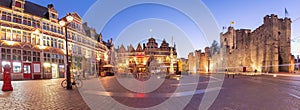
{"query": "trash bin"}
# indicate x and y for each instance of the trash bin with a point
(244, 69)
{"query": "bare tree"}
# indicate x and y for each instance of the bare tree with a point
(215, 47)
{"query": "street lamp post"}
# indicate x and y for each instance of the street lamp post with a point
(99, 59)
(64, 23)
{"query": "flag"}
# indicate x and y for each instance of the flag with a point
(224, 27)
(232, 22)
(286, 12)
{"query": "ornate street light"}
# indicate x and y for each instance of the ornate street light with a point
(64, 23)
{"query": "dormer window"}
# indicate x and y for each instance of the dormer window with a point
(18, 4)
(53, 16)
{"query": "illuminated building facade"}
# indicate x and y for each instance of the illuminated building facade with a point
(265, 49)
(199, 62)
(33, 43)
(150, 57)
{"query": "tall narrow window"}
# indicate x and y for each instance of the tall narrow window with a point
(59, 30)
(48, 41)
(44, 41)
(33, 23)
(38, 40)
(19, 19)
(38, 24)
(24, 37)
(28, 22)
(15, 18)
(3, 34)
(54, 42)
(51, 28)
(24, 20)
(54, 28)
(48, 26)
(44, 26)
(8, 34)
(28, 38)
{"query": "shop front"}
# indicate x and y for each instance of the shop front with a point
(27, 71)
(54, 70)
(36, 70)
(47, 71)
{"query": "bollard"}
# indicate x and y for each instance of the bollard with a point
(7, 79)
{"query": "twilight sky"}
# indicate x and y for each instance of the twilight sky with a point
(149, 20)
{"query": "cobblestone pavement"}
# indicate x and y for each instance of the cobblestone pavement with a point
(171, 95)
(259, 93)
(239, 93)
(41, 95)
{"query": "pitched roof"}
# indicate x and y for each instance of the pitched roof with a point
(36, 9)
(75, 14)
(130, 48)
(6, 3)
(122, 49)
(29, 7)
(139, 48)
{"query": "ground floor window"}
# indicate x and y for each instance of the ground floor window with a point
(47, 67)
(61, 68)
(16, 67)
(27, 69)
(36, 68)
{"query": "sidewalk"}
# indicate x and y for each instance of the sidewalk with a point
(284, 74)
(40, 94)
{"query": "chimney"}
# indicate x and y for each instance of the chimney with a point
(50, 6)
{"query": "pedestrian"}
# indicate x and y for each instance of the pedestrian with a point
(98, 74)
(227, 73)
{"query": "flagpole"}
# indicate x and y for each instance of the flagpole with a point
(285, 12)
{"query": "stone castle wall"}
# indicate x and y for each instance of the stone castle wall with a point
(263, 49)
(199, 61)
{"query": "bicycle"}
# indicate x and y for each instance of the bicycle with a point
(75, 81)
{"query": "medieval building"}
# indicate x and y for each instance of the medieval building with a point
(33, 43)
(266, 49)
(199, 62)
(149, 57)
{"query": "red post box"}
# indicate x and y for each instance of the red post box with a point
(7, 79)
(244, 69)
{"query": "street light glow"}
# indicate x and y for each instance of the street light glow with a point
(62, 23)
(69, 18)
